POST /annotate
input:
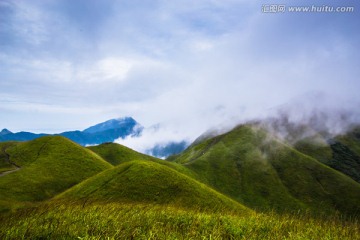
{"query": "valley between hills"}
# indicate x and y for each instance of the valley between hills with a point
(246, 183)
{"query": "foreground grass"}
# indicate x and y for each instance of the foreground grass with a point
(140, 221)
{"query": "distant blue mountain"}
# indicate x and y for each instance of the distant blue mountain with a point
(120, 123)
(107, 131)
(103, 132)
(171, 148)
(4, 132)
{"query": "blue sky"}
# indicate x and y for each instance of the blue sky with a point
(189, 65)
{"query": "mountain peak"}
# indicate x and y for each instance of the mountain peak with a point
(112, 124)
(4, 132)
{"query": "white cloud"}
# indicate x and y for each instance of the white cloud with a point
(152, 136)
(106, 69)
(114, 68)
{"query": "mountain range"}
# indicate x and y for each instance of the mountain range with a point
(248, 170)
(107, 131)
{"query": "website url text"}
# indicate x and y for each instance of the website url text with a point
(281, 8)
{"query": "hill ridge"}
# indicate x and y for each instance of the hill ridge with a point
(259, 171)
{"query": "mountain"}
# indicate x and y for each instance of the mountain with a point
(107, 131)
(45, 166)
(262, 172)
(125, 122)
(19, 136)
(5, 132)
(165, 150)
(317, 138)
(103, 132)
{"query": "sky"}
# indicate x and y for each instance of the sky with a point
(188, 65)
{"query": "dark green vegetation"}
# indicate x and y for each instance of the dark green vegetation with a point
(341, 153)
(301, 191)
(5, 162)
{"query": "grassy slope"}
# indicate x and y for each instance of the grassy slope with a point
(149, 182)
(321, 151)
(263, 173)
(49, 165)
(139, 221)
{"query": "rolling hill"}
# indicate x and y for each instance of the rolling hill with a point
(116, 154)
(258, 170)
(150, 182)
(47, 166)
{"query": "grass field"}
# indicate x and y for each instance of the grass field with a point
(145, 221)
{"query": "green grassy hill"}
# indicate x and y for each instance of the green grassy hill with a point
(116, 154)
(48, 166)
(149, 182)
(253, 167)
